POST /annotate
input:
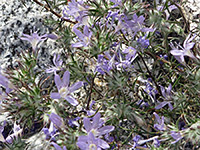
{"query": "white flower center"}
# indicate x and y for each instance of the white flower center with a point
(87, 40)
(131, 51)
(81, 8)
(95, 132)
(63, 92)
(92, 147)
(34, 42)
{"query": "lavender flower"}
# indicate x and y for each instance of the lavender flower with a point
(125, 64)
(130, 51)
(136, 140)
(176, 136)
(6, 83)
(168, 96)
(57, 63)
(83, 37)
(136, 24)
(35, 39)
(163, 57)
(150, 90)
(77, 10)
(50, 132)
(160, 126)
(184, 51)
(170, 8)
(96, 126)
(57, 120)
(143, 42)
(91, 111)
(104, 63)
(156, 143)
(73, 122)
(17, 131)
(89, 142)
(64, 90)
(113, 15)
(142, 103)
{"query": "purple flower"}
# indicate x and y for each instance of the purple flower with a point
(130, 51)
(170, 8)
(64, 90)
(142, 103)
(57, 63)
(104, 63)
(120, 25)
(143, 42)
(84, 38)
(6, 83)
(168, 96)
(50, 132)
(176, 136)
(156, 143)
(73, 122)
(160, 126)
(77, 10)
(113, 15)
(125, 64)
(184, 51)
(57, 147)
(35, 39)
(163, 57)
(89, 142)
(57, 120)
(150, 90)
(96, 126)
(17, 131)
(136, 24)
(91, 111)
(136, 142)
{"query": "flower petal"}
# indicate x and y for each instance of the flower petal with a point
(87, 124)
(66, 78)
(82, 138)
(78, 44)
(76, 86)
(176, 52)
(71, 100)
(157, 117)
(163, 91)
(55, 96)
(105, 129)
(57, 120)
(58, 81)
(96, 119)
(161, 105)
(52, 36)
(103, 144)
(79, 34)
(82, 145)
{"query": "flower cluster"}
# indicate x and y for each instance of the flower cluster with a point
(127, 78)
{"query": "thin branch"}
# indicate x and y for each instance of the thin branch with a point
(52, 11)
(149, 72)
